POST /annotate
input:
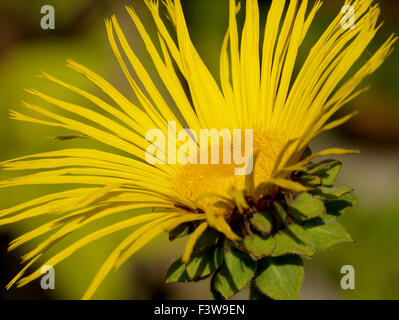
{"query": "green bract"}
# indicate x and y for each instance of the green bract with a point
(276, 233)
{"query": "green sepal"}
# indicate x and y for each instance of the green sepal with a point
(207, 239)
(216, 295)
(307, 152)
(293, 239)
(337, 207)
(305, 207)
(309, 180)
(280, 278)
(204, 263)
(177, 272)
(332, 193)
(235, 273)
(325, 235)
(258, 245)
(262, 222)
(327, 170)
(180, 231)
(255, 293)
(279, 213)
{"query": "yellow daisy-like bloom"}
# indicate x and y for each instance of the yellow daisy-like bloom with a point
(256, 91)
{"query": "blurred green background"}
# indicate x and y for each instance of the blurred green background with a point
(26, 50)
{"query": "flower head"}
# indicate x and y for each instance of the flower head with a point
(257, 90)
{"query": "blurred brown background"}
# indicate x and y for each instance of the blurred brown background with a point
(26, 50)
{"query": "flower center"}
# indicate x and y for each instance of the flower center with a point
(195, 182)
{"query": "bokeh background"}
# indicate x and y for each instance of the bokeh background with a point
(26, 50)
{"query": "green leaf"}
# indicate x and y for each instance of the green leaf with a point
(293, 239)
(177, 272)
(258, 246)
(332, 193)
(204, 263)
(327, 170)
(281, 277)
(207, 239)
(305, 207)
(263, 222)
(236, 271)
(326, 235)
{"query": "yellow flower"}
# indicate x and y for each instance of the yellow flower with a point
(256, 91)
